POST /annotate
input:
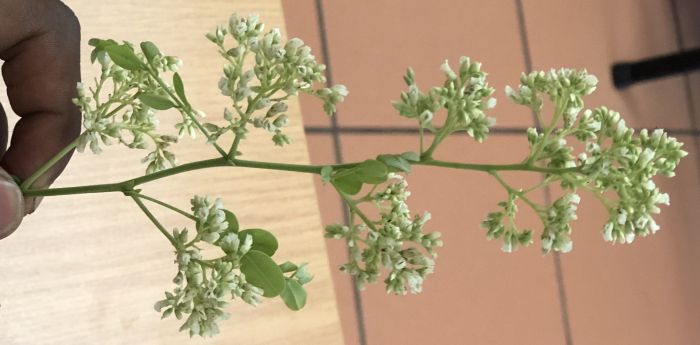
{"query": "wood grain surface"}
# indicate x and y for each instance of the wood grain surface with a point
(87, 269)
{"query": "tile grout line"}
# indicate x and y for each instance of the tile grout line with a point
(395, 130)
(558, 271)
(686, 77)
(357, 298)
(367, 130)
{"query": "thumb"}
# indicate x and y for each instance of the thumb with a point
(11, 204)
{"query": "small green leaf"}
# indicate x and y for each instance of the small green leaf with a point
(395, 163)
(124, 57)
(100, 43)
(326, 173)
(263, 240)
(156, 101)
(261, 271)
(371, 171)
(349, 181)
(287, 267)
(411, 156)
(347, 184)
(232, 221)
(149, 50)
(180, 88)
(294, 295)
(100, 46)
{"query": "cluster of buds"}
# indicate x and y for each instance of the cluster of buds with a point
(465, 96)
(394, 242)
(203, 288)
(279, 70)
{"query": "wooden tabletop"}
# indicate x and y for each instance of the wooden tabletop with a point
(87, 269)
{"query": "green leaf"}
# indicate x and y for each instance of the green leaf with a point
(100, 46)
(294, 295)
(326, 173)
(349, 181)
(232, 222)
(180, 88)
(261, 271)
(371, 171)
(124, 57)
(347, 184)
(156, 101)
(411, 156)
(288, 266)
(149, 50)
(395, 163)
(263, 240)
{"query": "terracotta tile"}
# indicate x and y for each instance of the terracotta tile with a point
(477, 291)
(302, 21)
(372, 43)
(321, 152)
(644, 292)
(690, 38)
(604, 32)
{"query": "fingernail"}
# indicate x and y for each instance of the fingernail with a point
(31, 203)
(11, 204)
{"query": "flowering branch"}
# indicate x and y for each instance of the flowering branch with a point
(608, 159)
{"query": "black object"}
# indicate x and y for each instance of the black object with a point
(628, 73)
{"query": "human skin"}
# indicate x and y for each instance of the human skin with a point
(40, 47)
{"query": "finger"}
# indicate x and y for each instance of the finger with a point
(11, 205)
(40, 43)
(3, 131)
(11, 202)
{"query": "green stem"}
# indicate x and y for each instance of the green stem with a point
(503, 183)
(609, 204)
(520, 194)
(154, 220)
(204, 164)
(559, 109)
(44, 168)
(122, 106)
(205, 263)
(497, 167)
(428, 154)
(354, 209)
(312, 169)
(421, 134)
(166, 205)
(187, 110)
(248, 112)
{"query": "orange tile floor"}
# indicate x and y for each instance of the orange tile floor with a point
(643, 293)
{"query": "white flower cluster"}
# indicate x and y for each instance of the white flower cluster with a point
(392, 243)
(498, 227)
(613, 159)
(211, 219)
(557, 230)
(280, 70)
(124, 116)
(465, 96)
(566, 86)
(626, 165)
(204, 287)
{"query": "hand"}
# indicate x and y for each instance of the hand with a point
(40, 47)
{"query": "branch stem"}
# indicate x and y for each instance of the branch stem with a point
(311, 169)
(166, 205)
(44, 168)
(154, 220)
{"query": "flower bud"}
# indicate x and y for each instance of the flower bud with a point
(281, 121)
